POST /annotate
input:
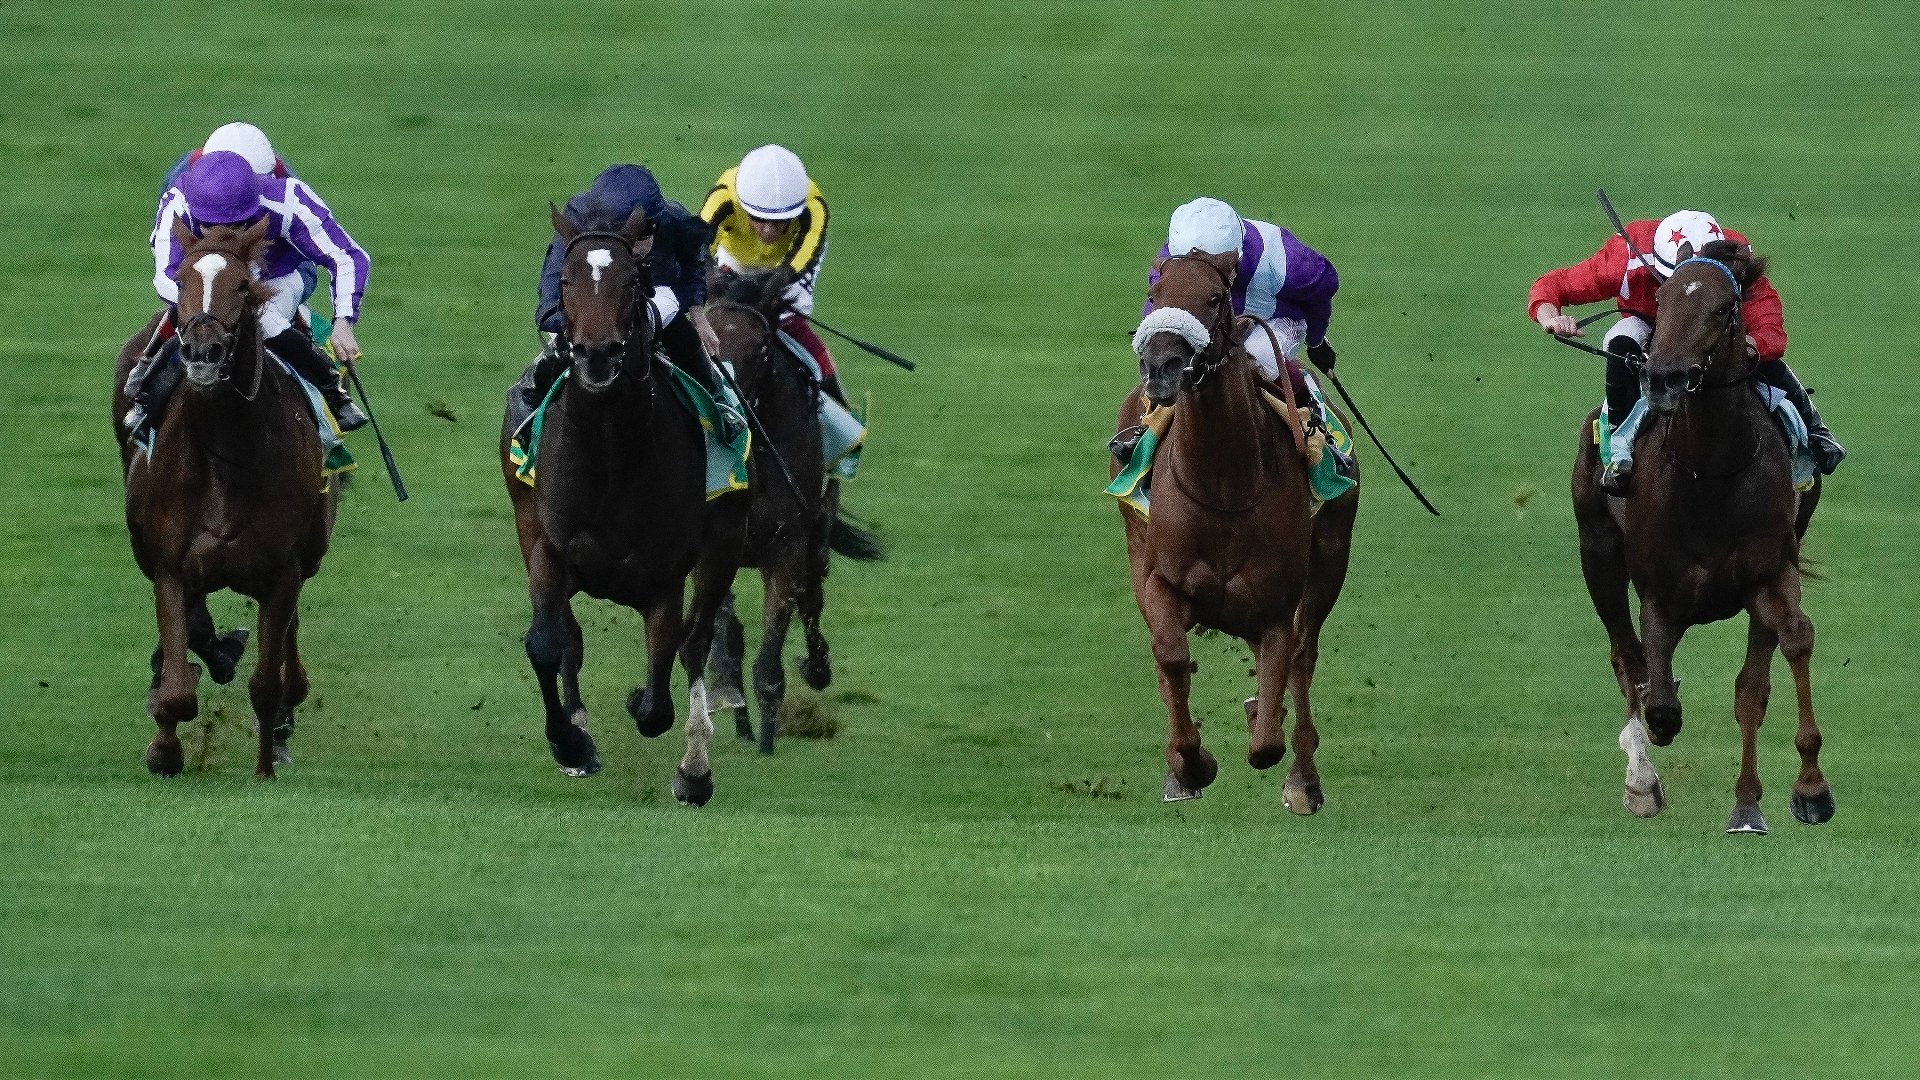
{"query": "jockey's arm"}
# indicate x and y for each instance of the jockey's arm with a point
(1589, 281)
(166, 250)
(312, 230)
(1765, 320)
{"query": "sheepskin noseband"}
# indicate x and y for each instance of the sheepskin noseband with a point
(1171, 320)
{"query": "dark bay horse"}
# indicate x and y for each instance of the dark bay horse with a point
(232, 498)
(1233, 543)
(793, 507)
(621, 510)
(1712, 527)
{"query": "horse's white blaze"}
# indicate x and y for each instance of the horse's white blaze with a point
(699, 730)
(208, 266)
(1634, 741)
(1692, 285)
(599, 259)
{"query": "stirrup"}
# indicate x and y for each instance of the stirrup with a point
(1616, 478)
(1122, 446)
(1827, 451)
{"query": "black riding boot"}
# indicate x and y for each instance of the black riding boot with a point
(682, 344)
(298, 350)
(152, 378)
(1623, 393)
(1827, 451)
(551, 364)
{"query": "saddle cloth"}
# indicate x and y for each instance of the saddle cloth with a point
(335, 459)
(1616, 443)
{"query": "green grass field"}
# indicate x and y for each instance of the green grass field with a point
(935, 892)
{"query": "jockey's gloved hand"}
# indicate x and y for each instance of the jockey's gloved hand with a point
(1322, 355)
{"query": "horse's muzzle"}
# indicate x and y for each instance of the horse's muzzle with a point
(1163, 373)
(596, 368)
(1667, 386)
(205, 364)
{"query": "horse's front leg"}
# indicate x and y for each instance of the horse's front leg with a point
(651, 703)
(1266, 721)
(1190, 767)
(712, 581)
(173, 698)
(1750, 692)
(548, 642)
(1603, 562)
(1779, 606)
(1660, 700)
(769, 671)
(267, 689)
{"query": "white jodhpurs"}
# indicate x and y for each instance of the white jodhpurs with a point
(277, 314)
(1292, 334)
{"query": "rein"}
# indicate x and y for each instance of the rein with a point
(1729, 338)
(1197, 370)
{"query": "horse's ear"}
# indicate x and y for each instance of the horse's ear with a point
(1685, 253)
(183, 235)
(636, 227)
(1748, 267)
(562, 228)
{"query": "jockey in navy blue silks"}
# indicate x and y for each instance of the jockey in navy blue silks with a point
(677, 264)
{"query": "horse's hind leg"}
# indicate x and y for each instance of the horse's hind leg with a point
(769, 672)
(268, 687)
(810, 593)
(220, 652)
(712, 580)
(1327, 575)
(548, 641)
(1190, 767)
(294, 686)
(1750, 692)
(173, 699)
(724, 689)
(1603, 563)
(1779, 606)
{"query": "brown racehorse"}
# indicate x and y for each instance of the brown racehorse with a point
(232, 498)
(1232, 543)
(793, 507)
(1712, 527)
(621, 510)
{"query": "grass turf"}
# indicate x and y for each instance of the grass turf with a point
(945, 888)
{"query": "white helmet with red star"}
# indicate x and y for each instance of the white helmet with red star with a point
(1695, 227)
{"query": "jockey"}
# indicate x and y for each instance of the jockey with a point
(1278, 280)
(1612, 273)
(766, 214)
(221, 187)
(677, 266)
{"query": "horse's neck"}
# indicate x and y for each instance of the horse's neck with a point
(1717, 432)
(229, 425)
(1219, 434)
(616, 423)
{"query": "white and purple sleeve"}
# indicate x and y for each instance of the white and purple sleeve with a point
(1310, 284)
(312, 229)
(166, 250)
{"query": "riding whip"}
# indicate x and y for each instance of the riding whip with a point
(884, 354)
(386, 453)
(1368, 428)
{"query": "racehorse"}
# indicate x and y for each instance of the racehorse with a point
(1233, 543)
(1711, 527)
(793, 507)
(231, 497)
(621, 511)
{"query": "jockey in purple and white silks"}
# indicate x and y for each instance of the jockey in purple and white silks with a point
(222, 188)
(1278, 279)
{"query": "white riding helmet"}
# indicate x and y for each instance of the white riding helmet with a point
(1204, 224)
(1694, 227)
(247, 141)
(772, 184)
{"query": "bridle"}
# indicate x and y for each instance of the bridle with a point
(768, 335)
(1728, 336)
(227, 339)
(563, 343)
(1219, 334)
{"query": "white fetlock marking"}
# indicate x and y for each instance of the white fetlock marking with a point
(699, 730)
(1641, 778)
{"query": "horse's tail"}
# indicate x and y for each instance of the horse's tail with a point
(854, 542)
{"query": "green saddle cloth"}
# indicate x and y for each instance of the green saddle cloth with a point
(726, 462)
(1325, 478)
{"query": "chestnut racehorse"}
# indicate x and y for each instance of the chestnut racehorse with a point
(1233, 543)
(621, 509)
(1711, 527)
(232, 497)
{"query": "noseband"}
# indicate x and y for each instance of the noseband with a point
(227, 339)
(564, 343)
(1205, 362)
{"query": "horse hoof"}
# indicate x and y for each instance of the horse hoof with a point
(692, 790)
(1813, 809)
(648, 715)
(1663, 723)
(1645, 804)
(227, 650)
(1194, 771)
(574, 750)
(1747, 821)
(725, 697)
(1172, 790)
(1266, 757)
(743, 724)
(281, 755)
(819, 676)
(1302, 799)
(165, 759)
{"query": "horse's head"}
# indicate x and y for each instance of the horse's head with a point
(604, 284)
(218, 295)
(1188, 333)
(745, 310)
(1699, 328)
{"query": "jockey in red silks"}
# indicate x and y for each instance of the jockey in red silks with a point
(1613, 273)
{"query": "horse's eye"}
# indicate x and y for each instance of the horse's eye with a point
(1215, 302)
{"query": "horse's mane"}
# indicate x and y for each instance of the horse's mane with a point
(1740, 258)
(757, 289)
